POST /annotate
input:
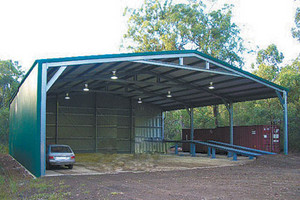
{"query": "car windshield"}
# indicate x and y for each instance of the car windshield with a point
(60, 149)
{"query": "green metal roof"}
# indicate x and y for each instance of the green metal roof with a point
(162, 60)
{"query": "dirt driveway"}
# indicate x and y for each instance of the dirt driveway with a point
(269, 177)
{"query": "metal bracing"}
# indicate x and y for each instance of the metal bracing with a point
(55, 77)
(185, 67)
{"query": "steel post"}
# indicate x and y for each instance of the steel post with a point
(208, 151)
(234, 157)
(193, 149)
(213, 153)
(56, 121)
(285, 129)
(96, 125)
(176, 148)
(231, 122)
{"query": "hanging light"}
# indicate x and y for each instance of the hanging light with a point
(140, 100)
(211, 87)
(114, 76)
(86, 89)
(169, 94)
(67, 97)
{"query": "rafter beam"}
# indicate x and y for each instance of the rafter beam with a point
(185, 67)
(196, 87)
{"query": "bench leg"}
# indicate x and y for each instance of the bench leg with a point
(176, 149)
(229, 155)
(234, 156)
(251, 157)
(193, 150)
(208, 151)
(213, 153)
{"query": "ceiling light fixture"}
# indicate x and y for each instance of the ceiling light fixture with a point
(86, 89)
(211, 87)
(169, 94)
(67, 96)
(114, 76)
(140, 100)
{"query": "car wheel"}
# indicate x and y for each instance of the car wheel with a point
(70, 166)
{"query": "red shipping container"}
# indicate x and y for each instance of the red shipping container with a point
(262, 137)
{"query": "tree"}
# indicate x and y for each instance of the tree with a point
(296, 30)
(161, 25)
(268, 61)
(289, 77)
(10, 75)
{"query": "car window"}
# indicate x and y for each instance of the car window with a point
(60, 149)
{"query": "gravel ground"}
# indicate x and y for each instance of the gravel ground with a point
(268, 177)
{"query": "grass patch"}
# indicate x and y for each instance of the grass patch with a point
(118, 162)
(3, 149)
(11, 188)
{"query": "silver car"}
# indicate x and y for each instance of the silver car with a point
(59, 155)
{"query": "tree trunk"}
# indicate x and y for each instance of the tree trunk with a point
(216, 114)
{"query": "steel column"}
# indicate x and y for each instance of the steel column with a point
(96, 125)
(131, 137)
(285, 129)
(213, 153)
(44, 68)
(56, 121)
(193, 149)
(231, 122)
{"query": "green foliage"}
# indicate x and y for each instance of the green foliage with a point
(296, 30)
(268, 61)
(162, 25)
(10, 75)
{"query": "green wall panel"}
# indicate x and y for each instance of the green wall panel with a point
(24, 137)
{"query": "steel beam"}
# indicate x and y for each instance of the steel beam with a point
(55, 77)
(185, 67)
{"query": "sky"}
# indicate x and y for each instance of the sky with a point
(35, 29)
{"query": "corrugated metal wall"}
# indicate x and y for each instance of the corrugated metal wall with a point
(148, 125)
(118, 122)
(24, 124)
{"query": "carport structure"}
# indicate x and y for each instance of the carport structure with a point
(112, 103)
